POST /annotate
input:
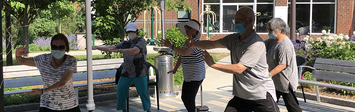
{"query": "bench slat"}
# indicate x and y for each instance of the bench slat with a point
(334, 76)
(38, 80)
(327, 85)
(335, 68)
(17, 68)
(335, 62)
(35, 72)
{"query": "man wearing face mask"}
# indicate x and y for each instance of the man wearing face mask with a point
(134, 67)
(192, 64)
(253, 88)
(281, 58)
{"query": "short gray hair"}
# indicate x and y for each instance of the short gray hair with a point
(278, 24)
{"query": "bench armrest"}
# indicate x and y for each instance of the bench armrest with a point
(301, 70)
(302, 66)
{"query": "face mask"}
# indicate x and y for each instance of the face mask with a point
(272, 35)
(57, 54)
(132, 36)
(239, 28)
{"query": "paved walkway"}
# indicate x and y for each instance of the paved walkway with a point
(217, 91)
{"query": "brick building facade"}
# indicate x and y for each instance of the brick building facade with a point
(338, 15)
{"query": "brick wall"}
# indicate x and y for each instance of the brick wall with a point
(345, 20)
(281, 2)
(345, 17)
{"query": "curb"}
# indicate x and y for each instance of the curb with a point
(326, 99)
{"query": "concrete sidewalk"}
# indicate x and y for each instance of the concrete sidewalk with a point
(217, 91)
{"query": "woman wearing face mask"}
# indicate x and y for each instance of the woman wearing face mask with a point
(57, 69)
(134, 67)
(281, 59)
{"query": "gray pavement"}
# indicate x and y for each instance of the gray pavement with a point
(217, 91)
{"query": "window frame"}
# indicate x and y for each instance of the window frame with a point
(311, 3)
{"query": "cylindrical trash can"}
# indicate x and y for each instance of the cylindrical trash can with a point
(165, 63)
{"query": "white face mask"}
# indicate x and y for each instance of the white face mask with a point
(132, 36)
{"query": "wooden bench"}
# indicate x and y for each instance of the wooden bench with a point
(32, 75)
(329, 69)
(22, 75)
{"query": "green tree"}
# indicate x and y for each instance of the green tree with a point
(111, 16)
(62, 9)
(25, 11)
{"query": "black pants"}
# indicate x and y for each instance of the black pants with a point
(75, 109)
(241, 105)
(290, 99)
(189, 91)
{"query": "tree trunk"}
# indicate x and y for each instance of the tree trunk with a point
(25, 27)
(8, 40)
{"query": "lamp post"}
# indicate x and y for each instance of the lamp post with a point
(152, 27)
(208, 12)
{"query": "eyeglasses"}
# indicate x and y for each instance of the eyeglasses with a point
(54, 47)
(188, 27)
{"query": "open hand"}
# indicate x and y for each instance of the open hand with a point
(35, 91)
(21, 51)
(165, 42)
(188, 43)
(208, 58)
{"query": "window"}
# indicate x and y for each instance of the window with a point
(323, 0)
(229, 15)
(302, 15)
(237, 1)
(266, 14)
(213, 25)
(183, 16)
(322, 17)
(265, 1)
(211, 1)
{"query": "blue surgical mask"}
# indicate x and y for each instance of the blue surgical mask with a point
(57, 54)
(239, 28)
(272, 35)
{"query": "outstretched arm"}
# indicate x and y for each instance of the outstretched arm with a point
(181, 51)
(204, 44)
(105, 48)
(230, 68)
(21, 60)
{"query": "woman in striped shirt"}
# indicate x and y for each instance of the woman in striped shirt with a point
(56, 69)
(192, 64)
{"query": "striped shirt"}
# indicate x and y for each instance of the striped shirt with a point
(63, 98)
(193, 66)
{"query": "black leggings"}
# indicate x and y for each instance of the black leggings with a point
(44, 109)
(242, 105)
(189, 91)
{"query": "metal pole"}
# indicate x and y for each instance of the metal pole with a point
(91, 105)
(152, 27)
(2, 103)
(293, 20)
(208, 28)
(162, 6)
